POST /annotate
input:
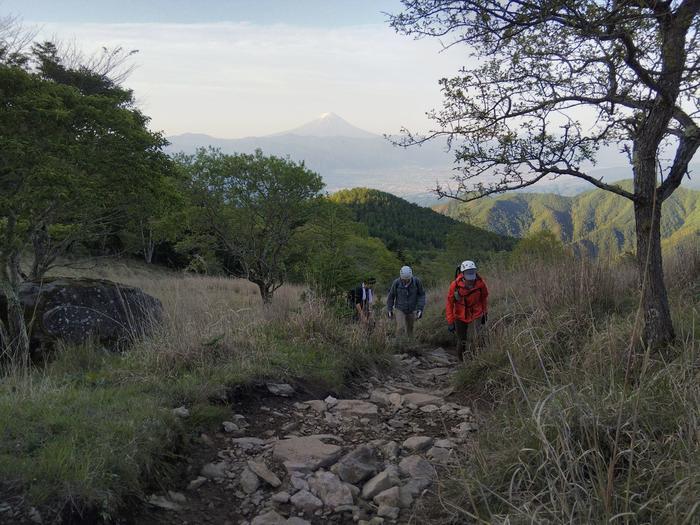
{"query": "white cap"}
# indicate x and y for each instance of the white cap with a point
(406, 272)
(467, 265)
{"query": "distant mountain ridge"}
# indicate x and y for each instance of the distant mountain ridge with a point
(343, 154)
(347, 157)
(597, 222)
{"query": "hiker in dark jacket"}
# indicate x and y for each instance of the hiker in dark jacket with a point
(466, 308)
(406, 300)
(363, 297)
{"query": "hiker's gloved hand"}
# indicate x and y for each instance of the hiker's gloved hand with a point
(451, 328)
(484, 318)
(419, 314)
(390, 314)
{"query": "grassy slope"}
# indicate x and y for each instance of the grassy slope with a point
(577, 433)
(91, 428)
(598, 221)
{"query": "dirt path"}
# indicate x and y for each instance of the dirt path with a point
(371, 459)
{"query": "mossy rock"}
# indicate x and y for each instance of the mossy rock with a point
(78, 310)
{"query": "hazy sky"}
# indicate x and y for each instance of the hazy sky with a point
(234, 68)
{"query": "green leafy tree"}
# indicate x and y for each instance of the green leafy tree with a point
(513, 117)
(318, 254)
(67, 156)
(153, 215)
(252, 205)
(541, 246)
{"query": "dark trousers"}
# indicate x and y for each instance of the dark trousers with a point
(467, 337)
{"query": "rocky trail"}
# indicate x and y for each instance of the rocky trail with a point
(373, 459)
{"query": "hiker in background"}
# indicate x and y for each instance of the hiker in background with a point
(466, 308)
(363, 297)
(406, 300)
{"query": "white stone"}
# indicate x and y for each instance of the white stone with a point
(419, 399)
(330, 401)
(444, 443)
(417, 443)
(196, 483)
(388, 497)
(306, 453)
(280, 497)
(269, 518)
(214, 470)
(391, 450)
(355, 407)
(163, 503)
(317, 405)
(386, 511)
(306, 502)
(416, 467)
(280, 389)
(230, 427)
(249, 481)
(382, 481)
(264, 473)
(299, 483)
(439, 455)
(331, 490)
(181, 412)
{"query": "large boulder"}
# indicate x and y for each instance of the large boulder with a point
(77, 310)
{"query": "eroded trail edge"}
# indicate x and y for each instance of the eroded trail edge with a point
(372, 459)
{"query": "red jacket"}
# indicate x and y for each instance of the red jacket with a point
(472, 302)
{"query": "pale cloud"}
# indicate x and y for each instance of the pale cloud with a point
(239, 79)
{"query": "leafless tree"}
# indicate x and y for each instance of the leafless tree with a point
(515, 117)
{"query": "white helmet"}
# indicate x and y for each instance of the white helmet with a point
(467, 265)
(406, 272)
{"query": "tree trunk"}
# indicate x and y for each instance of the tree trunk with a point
(41, 244)
(147, 242)
(16, 333)
(265, 292)
(658, 326)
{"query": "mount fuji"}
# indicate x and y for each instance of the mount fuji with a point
(344, 155)
(329, 125)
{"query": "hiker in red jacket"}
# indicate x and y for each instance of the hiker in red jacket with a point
(466, 307)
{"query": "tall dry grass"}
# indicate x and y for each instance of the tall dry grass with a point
(577, 432)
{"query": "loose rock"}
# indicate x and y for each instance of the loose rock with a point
(331, 490)
(264, 473)
(382, 481)
(417, 467)
(249, 481)
(214, 470)
(388, 497)
(280, 389)
(417, 443)
(355, 407)
(418, 399)
(359, 465)
(305, 453)
(306, 502)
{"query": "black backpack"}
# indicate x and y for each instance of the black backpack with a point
(350, 297)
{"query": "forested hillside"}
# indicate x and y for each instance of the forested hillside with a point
(408, 228)
(596, 222)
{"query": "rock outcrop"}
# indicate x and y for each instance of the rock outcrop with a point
(77, 310)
